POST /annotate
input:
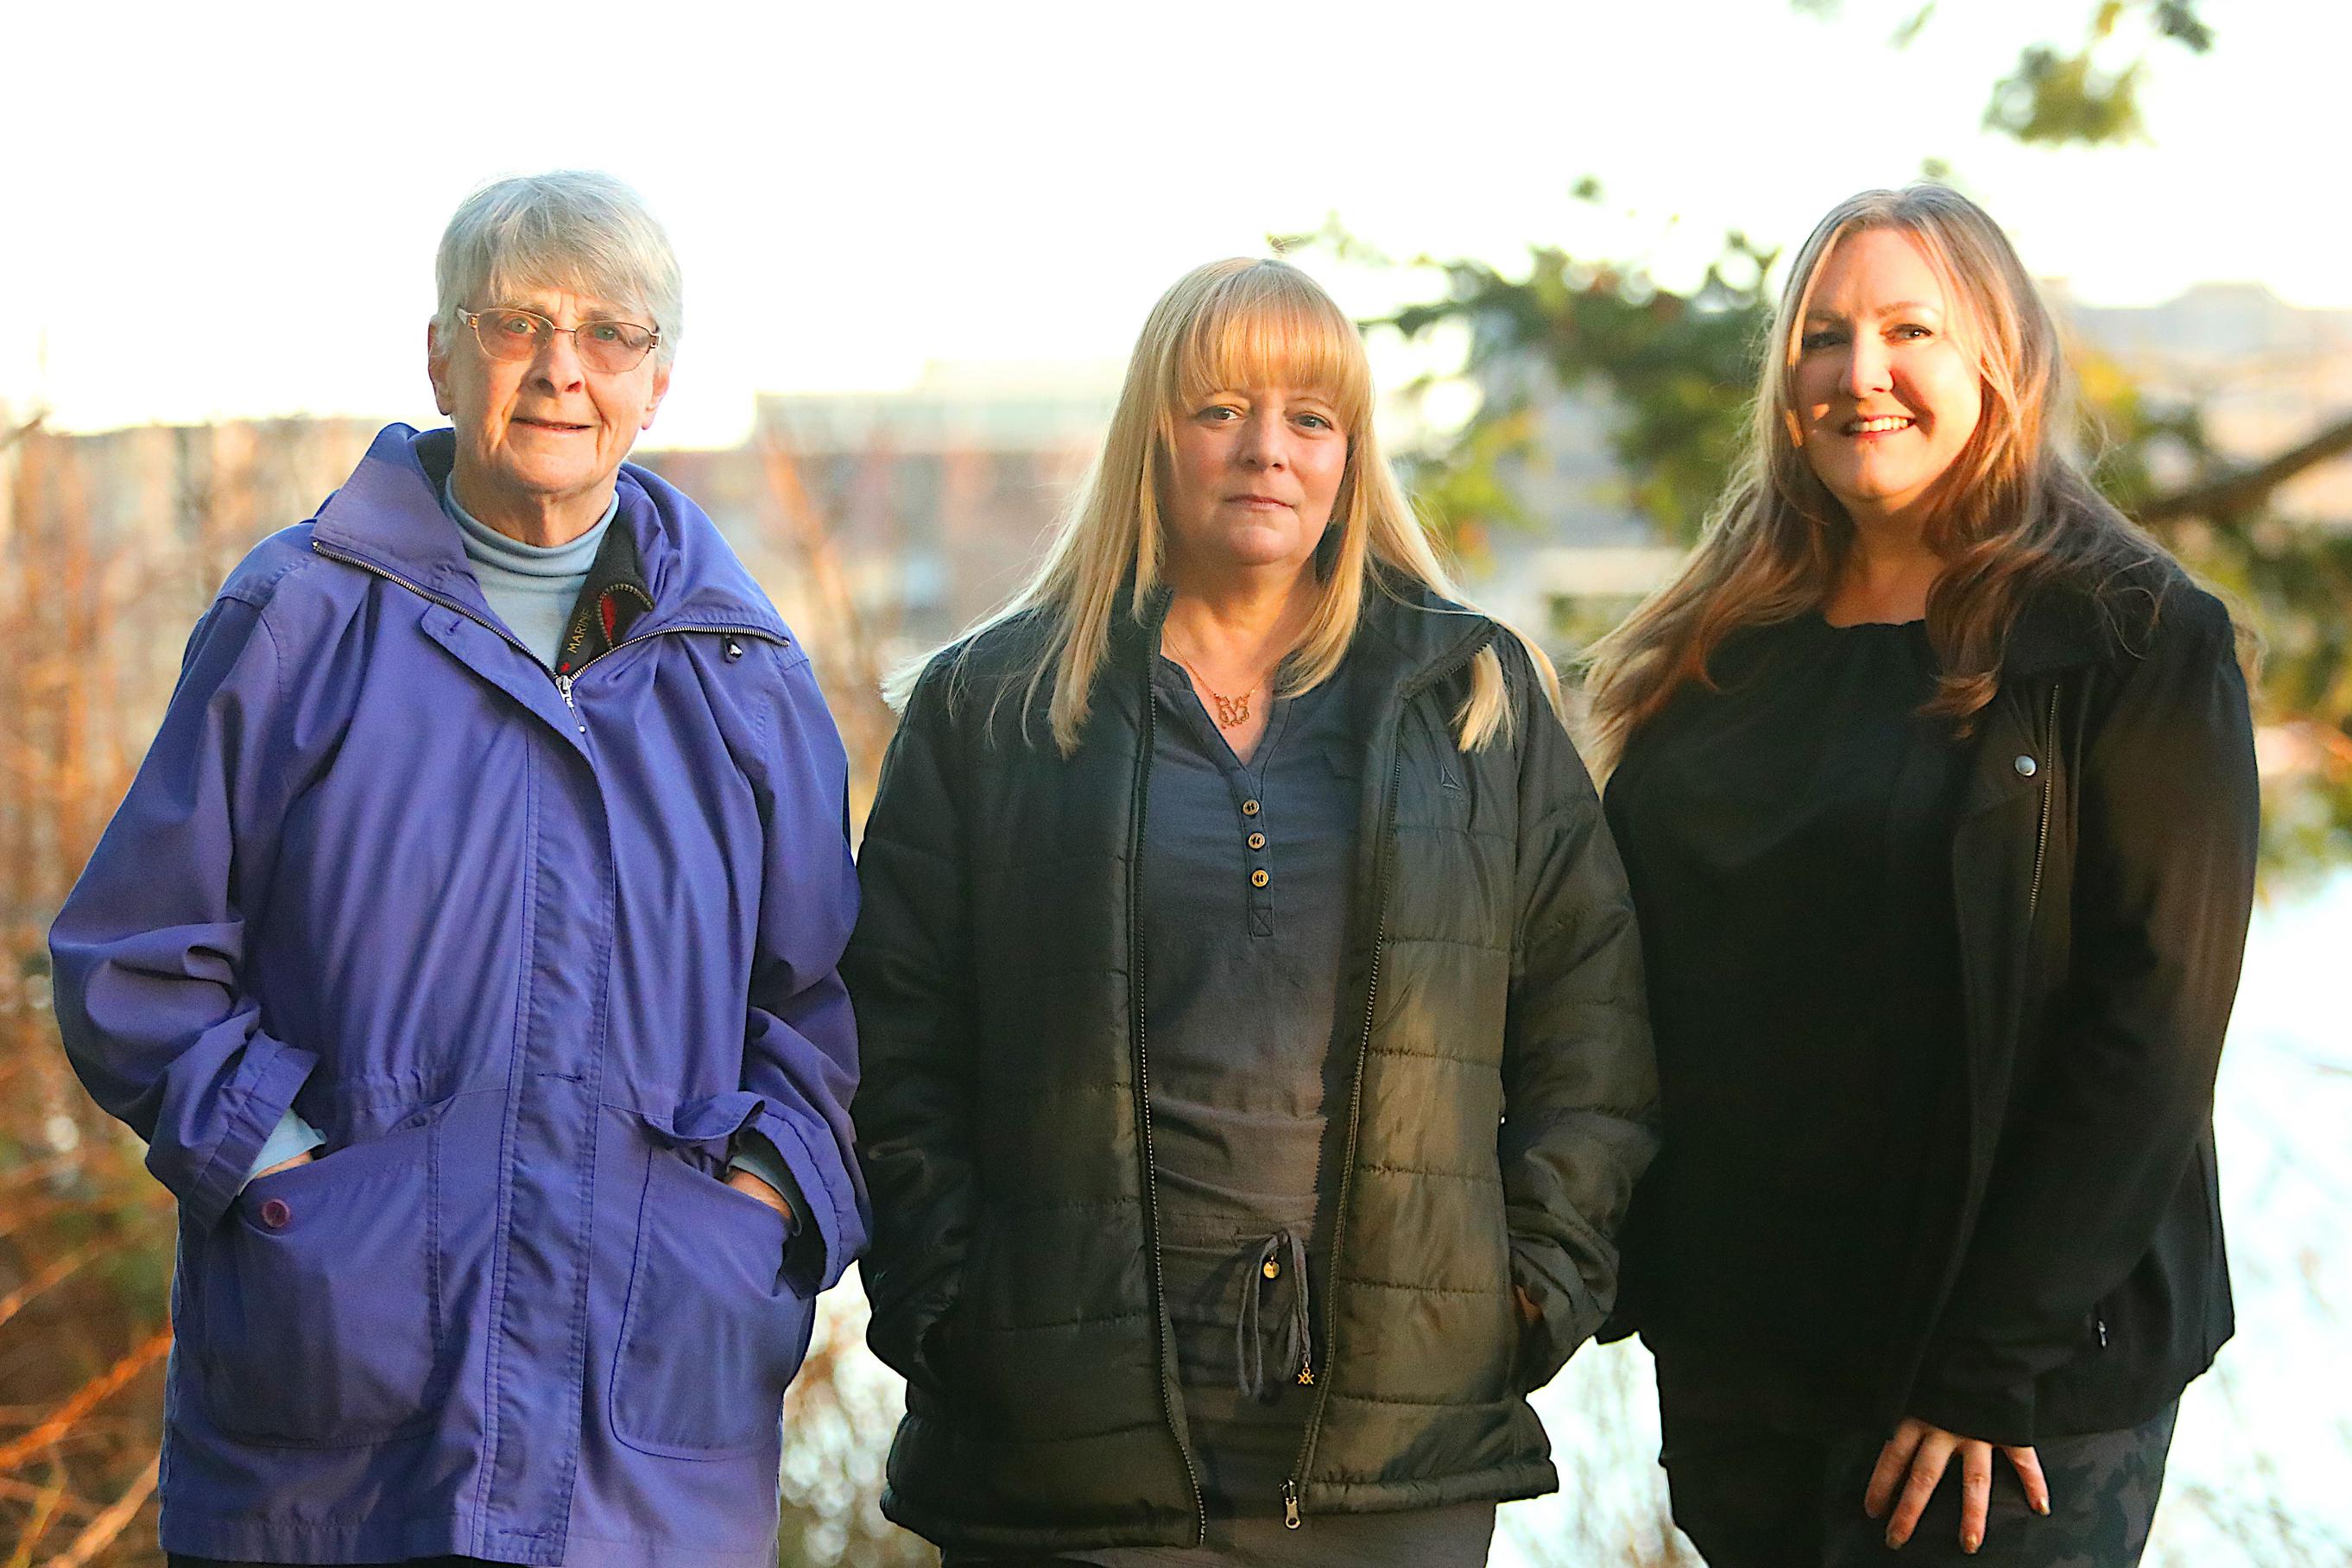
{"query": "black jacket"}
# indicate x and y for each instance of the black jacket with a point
(2067, 1275)
(1503, 1096)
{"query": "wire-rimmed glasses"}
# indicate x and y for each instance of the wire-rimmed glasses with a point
(510, 333)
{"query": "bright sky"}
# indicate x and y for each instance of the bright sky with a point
(231, 209)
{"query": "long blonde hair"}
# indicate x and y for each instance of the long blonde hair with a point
(2014, 511)
(1235, 323)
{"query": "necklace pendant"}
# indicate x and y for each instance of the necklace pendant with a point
(1232, 710)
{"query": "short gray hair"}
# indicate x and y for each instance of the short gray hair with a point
(573, 229)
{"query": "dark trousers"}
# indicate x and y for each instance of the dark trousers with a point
(1758, 1494)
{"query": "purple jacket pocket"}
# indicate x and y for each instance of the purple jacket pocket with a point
(318, 1314)
(713, 1329)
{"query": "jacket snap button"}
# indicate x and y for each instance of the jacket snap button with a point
(274, 1214)
(1249, 809)
(1257, 840)
(1259, 878)
(734, 650)
(1271, 1270)
(2026, 767)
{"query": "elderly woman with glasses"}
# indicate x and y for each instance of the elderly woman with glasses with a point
(465, 953)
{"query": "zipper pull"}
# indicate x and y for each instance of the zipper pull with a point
(1290, 1505)
(564, 689)
(1306, 1371)
(2102, 1321)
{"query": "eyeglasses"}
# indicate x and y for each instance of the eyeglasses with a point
(611, 347)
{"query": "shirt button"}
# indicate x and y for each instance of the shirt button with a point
(1249, 809)
(1257, 840)
(2026, 767)
(274, 1214)
(1259, 878)
(1271, 1270)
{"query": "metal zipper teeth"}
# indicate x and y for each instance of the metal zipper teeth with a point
(2048, 788)
(1143, 1095)
(563, 682)
(1290, 1518)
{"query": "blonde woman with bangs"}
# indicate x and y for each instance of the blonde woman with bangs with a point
(1935, 779)
(1256, 1067)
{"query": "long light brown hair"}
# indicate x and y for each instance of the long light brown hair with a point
(2013, 512)
(1235, 323)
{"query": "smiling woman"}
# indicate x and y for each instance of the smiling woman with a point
(1886, 388)
(1934, 782)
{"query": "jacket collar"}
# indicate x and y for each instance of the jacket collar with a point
(2059, 628)
(387, 516)
(1427, 635)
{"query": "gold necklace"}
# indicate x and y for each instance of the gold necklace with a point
(1232, 712)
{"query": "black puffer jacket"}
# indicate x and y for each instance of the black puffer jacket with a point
(1503, 1098)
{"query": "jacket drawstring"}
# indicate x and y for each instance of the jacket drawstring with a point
(1281, 1251)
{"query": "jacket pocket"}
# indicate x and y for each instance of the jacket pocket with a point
(317, 1301)
(712, 1333)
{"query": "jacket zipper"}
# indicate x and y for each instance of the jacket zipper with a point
(563, 682)
(2049, 789)
(1143, 1090)
(1290, 1518)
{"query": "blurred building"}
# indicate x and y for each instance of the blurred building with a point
(939, 497)
(1585, 557)
(2268, 375)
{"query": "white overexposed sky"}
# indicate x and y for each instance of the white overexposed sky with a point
(231, 210)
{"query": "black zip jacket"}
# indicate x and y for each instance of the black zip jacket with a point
(2067, 1275)
(1503, 1097)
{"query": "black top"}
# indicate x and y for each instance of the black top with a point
(1787, 839)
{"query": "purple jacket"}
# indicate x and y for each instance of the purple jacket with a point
(528, 956)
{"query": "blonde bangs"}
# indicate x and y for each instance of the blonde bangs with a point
(1230, 326)
(1269, 327)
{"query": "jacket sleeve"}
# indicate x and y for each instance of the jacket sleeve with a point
(799, 1040)
(2103, 1136)
(1580, 1077)
(149, 947)
(910, 967)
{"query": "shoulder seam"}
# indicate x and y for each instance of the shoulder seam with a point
(259, 593)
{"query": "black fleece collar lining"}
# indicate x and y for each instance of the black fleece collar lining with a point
(610, 602)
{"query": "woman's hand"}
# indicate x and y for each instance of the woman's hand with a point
(304, 1158)
(1922, 1451)
(743, 1181)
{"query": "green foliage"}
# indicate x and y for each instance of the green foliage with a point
(1676, 367)
(2060, 98)
(2057, 98)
